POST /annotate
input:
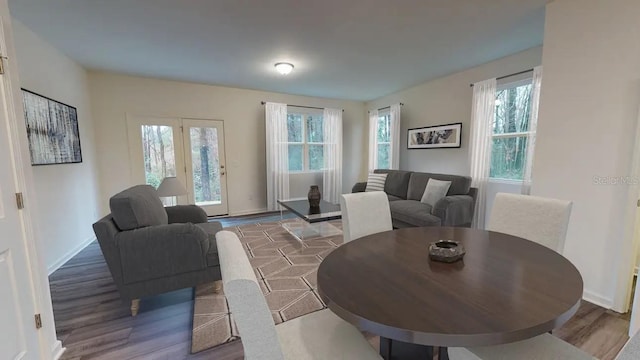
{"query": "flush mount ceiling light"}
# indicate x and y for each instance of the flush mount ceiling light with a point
(284, 68)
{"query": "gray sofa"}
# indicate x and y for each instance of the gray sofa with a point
(150, 249)
(405, 188)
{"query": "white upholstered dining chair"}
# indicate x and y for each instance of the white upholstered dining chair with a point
(364, 213)
(545, 222)
(319, 335)
(538, 219)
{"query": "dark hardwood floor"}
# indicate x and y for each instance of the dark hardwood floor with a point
(93, 323)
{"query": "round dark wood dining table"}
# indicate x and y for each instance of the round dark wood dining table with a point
(505, 289)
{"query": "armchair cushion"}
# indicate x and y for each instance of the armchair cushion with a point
(160, 251)
(186, 214)
(137, 207)
(454, 210)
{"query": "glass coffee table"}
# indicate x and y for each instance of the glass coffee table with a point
(315, 220)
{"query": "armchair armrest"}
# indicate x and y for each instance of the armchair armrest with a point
(186, 214)
(359, 187)
(456, 210)
(160, 251)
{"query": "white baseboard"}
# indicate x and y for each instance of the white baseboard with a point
(73, 252)
(57, 350)
(597, 299)
(248, 212)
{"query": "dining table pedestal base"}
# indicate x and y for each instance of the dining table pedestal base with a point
(399, 350)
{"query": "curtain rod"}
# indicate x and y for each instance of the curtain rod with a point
(510, 75)
(300, 106)
(387, 107)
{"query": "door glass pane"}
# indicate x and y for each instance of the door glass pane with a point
(206, 165)
(159, 153)
(508, 158)
(295, 157)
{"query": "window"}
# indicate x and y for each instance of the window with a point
(306, 142)
(511, 131)
(383, 143)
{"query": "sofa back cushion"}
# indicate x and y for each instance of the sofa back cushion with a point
(418, 182)
(397, 182)
(137, 207)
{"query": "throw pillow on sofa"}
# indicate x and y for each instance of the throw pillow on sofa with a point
(375, 182)
(434, 191)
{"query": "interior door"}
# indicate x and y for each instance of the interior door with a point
(19, 337)
(205, 164)
(156, 150)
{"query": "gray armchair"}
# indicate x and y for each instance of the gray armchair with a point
(150, 249)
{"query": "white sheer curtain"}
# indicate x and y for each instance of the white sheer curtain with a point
(533, 124)
(332, 173)
(394, 156)
(373, 140)
(277, 154)
(482, 117)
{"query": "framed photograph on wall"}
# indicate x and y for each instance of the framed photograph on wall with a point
(52, 130)
(435, 137)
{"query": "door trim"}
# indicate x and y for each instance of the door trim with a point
(49, 344)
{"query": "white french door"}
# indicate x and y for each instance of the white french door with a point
(18, 335)
(192, 150)
(206, 170)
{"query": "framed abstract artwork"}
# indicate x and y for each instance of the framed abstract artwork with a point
(52, 130)
(434, 137)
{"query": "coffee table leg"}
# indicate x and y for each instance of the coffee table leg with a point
(443, 353)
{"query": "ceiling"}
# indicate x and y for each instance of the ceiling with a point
(348, 49)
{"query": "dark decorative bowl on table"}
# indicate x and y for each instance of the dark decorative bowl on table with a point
(447, 251)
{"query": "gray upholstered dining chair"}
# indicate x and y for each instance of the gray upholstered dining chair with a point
(631, 350)
(364, 213)
(319, 335)
(545, 222)
(538, 219)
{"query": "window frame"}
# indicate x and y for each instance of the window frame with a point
(520, 134)
(305, 143)
(382, 114)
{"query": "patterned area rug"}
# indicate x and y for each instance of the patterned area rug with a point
(286, 269)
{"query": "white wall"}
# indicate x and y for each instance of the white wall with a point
(588, 111)
(66, 194)
(443, 101)
(113, 96)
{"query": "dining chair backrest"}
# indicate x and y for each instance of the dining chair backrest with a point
(364, 213)
(538, 219)
(246, 300)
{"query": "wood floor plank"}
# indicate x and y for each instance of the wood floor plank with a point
(93, 323)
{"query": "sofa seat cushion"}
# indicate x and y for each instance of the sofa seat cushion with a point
(393, 198)
(211, 228)
(413, 212)
(137, 207)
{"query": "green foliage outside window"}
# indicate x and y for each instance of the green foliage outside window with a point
(508, 152)
(306, 142)
(383, 134)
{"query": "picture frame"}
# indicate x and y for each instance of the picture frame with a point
(52, 130)
(435, 137)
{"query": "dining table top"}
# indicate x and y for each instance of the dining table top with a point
(505, 289)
